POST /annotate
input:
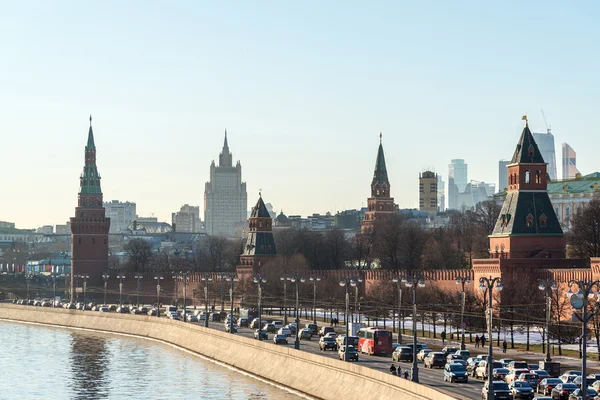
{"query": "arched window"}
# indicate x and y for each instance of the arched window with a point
(538, 176)
(526, 176)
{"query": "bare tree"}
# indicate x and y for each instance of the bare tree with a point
(139, 253)
(584, 238)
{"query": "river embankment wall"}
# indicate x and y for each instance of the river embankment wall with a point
(312, 374)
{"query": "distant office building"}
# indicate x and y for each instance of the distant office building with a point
(441, 188)
(457, 169)
(545, 142)
(503, 175)
(428, 192)
(7, 225)
(490, 188)
(225, 198)
(46, 230)
(187, 219)
(452, 194)
(152, 220)
(569, 162)
(121, 215)
(62, 229)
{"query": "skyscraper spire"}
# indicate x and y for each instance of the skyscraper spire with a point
(225, 158)
(225, 145)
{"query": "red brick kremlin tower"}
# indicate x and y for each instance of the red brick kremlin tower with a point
(260, 245)
(89, 226)
(381, 207)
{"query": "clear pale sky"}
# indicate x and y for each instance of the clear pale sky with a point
(303, 88)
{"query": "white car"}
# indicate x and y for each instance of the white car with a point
(284, 331)
(278, 324)
(331, 335)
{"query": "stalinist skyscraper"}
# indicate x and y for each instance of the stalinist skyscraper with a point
(225, 198)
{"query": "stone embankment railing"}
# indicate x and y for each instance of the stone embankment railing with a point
(312, 374)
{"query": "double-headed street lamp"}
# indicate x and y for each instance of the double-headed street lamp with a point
(259, 280)
(462, 280)
(183, 276)
(346, 283)
(414, 279)
(489, 284)
(398, 281)
(231, 278)
(158, 279)
(105, 276)
(206, 279)
(586, 291)
(28, 278)
(85, 278)
(120, 278)
(548, 286)
(297, 279)
(283, 278)
(314, 280)
(139, 278)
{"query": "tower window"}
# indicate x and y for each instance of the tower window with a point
(543, 220)
(538, 176)
(527, 176)
(529, 221)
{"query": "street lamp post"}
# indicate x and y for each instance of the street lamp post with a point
(462, 280)
(28, 278)
(314, 280)
(85, 278)
(221, 279)
(120, 278)
(105, 276)
(296, 279)
(76, 286)
(183, 276)
(489, 284)
(548, 286)
(283, 278)
(414, 280)
(259, 280)
(231, 278)
(587, 290)
(139, 278)
(158, 278)
(206, 279)
(346, 283)
(397, 280)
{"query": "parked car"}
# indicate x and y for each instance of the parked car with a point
(326, 329)
(402, 353)
(521, 390)
(499, 373)
(327, 343)
(455, 372)
(313, 327)
(435, 359)
(547, 384)
(352, 353)
(449, 350)
(306, 334)
(284, 331)
(263, 334)
(280, 339)
(422, 354)
(576, 394)
(501, 391)
(562, 391)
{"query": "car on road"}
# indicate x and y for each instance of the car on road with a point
(123, 310)
(313, 327)
(452, 357)
(596, 385)
(514, 374)
(546, 385)
(280, 339)
(422, 354)
(506, 361)
(530, 378)
(306, 334)
(341, 341)
(242, 322)
(352, 353)
(464, 354)
(104, 309)
(229, 326)
(576, 395)
(501, 391)
(270, 328)
(292, 328)
(284, 331)
(589, 380)
(569, 376)
(562, 391)
(263, 334)
(331, 335)
(517, 365)
(449, 350)
(455, 372)
(542, 374)
(192, 318)
(153, 312)
(278, 323)
(402, 353)
(435, 359)
(214, 317)
(327, 343)
(499, 373)
(482, 369)
(254, 324)
(325, 330)
(521, 390)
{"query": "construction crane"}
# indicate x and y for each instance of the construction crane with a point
(548, 128)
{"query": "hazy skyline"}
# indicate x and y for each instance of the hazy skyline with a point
(302, 89)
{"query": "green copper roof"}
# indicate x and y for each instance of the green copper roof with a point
(380, 175)
(527, 151)
(585, 184)
(90, 142)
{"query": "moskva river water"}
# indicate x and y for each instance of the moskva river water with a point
(38, 362)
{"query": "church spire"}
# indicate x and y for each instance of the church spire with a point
(89, 181)
(90, 142)
(380, 183)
